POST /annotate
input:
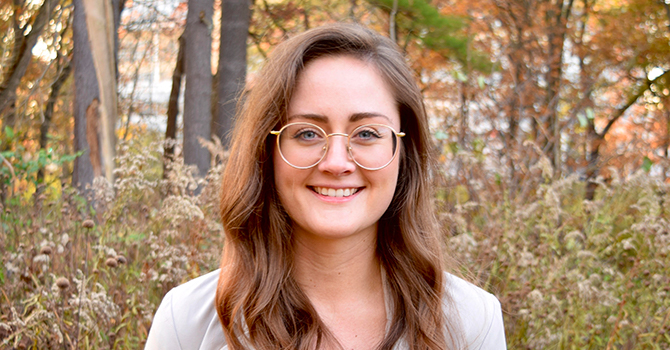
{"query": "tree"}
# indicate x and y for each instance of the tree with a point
(198, 90)
(87, 120)
(63, 74)
(86, 101)
(102, 32)
(173, 107)
(616, 74)
(22, 54)
(235, 15)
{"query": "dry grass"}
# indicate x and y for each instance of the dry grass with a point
(571, 274)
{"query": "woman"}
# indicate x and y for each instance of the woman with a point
(331, 240)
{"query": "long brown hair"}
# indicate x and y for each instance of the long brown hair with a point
(259, 303)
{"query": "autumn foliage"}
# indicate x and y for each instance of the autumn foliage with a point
(551, 121)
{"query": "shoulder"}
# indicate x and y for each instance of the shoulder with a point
(480, 314)
(187, 318)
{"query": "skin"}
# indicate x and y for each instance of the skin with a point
(335, 238)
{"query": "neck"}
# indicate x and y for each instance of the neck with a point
(336, 269)
(342, 279)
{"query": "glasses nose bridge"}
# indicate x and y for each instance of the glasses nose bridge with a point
(328, 147)
(338, 134)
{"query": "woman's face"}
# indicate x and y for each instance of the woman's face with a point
(338, 94)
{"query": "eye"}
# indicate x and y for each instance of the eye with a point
(307, 134)
(367, 134)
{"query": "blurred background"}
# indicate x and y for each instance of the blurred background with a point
(551, 120)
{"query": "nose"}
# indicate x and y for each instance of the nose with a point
(337, 160)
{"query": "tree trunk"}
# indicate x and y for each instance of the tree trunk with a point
(465, 111)
(87, 99)
(51, 102)
(173, 108)
(49, 111)
(235, 17)
(9, 115)
(86, 91)
(513, 121)
(593, 166)
(393, 32)
(559, 16)
(198, 90)
(117, 6)
(101, 32)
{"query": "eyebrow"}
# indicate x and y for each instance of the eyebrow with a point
(352, 118)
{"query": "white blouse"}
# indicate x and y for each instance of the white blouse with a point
(186, 318)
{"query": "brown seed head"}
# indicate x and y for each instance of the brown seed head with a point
(46, 250)
(111, 262)
(121, 259)
(88, 223)
(62, 283)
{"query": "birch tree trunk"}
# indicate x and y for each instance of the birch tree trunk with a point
(88, 132)
(86, 92)
(101, 32)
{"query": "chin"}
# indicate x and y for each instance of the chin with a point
(334, 233)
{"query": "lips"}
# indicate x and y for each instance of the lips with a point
(335, 192)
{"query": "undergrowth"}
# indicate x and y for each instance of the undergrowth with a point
(88, 270)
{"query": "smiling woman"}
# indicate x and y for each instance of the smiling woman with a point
(342, 94)
(331, 240)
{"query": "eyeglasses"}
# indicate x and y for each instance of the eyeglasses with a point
(304, 145)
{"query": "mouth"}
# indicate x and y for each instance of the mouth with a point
(336, 192)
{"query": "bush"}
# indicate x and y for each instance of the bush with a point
(570, 273)
(90, 272)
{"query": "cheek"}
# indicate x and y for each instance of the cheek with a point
(284, 179)
(389, 178)
(279, 172)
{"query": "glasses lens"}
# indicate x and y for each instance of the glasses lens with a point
(373, 146)
(302, 144)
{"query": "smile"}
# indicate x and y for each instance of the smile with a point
(332, 192)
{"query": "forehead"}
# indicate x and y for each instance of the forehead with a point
(338, 89)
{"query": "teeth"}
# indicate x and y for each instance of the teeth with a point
(331, 192)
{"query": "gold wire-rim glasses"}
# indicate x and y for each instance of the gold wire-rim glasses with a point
(327, 144)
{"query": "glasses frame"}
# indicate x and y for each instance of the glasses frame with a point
(348, 136)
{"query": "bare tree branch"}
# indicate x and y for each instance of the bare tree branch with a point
(53, 96)
(667, 11)
(18, 70)
(631, 101)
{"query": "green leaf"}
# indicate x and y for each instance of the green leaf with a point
(441, 135)
(460, 76)
(583, 122)
(453, 147)
(647, 164)
(590, 113)
(9, 132)
(481, 81)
